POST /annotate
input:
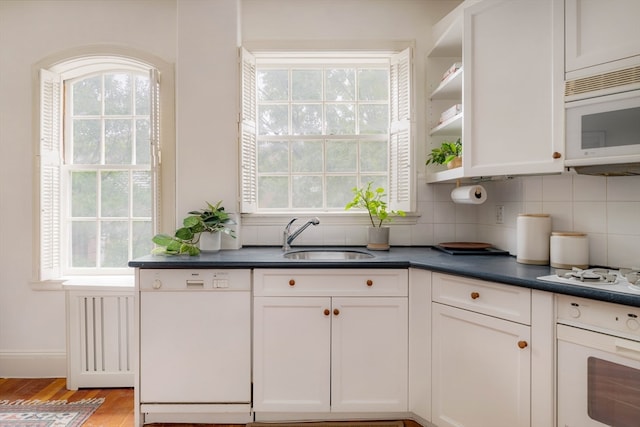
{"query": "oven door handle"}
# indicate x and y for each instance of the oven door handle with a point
(626, 346)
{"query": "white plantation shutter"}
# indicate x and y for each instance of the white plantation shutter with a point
(156, 158)
(400, 133)
(248, 164)
(50, 161)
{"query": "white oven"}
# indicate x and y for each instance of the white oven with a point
(598, 363)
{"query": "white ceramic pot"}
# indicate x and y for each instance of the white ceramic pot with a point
(533, 232)
(210, 242)
(378, 239)
(569, 249)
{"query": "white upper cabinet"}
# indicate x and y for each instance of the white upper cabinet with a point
(601, 36)
(511, 87)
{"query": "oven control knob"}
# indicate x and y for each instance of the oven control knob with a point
(157, 284)
(633, 324)
(574, 311)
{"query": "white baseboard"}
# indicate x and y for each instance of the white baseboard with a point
(33, 365)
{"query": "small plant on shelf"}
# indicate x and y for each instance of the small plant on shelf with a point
(212, 219)
(446, 153)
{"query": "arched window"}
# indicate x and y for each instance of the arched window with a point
(99, 168)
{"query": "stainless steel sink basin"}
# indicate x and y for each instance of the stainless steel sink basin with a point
(327, 254)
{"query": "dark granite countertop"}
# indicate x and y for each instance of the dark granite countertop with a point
(495, 268)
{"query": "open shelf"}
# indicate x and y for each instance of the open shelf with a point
(445, 175)
(452, 127)
(450, 88)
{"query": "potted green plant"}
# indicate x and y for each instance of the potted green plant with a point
(372, 200)
(196, 231)
(447, 154)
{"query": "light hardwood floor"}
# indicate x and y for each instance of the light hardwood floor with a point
(116, 411)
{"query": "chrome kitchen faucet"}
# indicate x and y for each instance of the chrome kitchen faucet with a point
(289, 237)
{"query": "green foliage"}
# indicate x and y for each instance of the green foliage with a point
(373, 202)
(445, 153)
(212, 219)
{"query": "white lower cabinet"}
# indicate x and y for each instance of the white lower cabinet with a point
(481, 357)
(316, 352)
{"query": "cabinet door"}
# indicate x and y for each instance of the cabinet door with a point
(512, 87)
(600, 32)
(291, 354)
(481, 375)
(369, 354)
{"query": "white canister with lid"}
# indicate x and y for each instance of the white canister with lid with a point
(569, 249)
(533, 231)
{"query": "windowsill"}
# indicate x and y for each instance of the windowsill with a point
(86, 283)
(327, 218)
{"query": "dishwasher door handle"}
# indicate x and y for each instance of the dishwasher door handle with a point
(195, 284)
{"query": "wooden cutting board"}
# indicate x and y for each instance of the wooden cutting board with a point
(465, 245)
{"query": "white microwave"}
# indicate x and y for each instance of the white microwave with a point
(603, 124)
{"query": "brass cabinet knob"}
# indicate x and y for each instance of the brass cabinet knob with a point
(369, 282)
(475, 295)
(327, 312)
(522, 344)
(336, 311)
(292, 282)
(556, 155)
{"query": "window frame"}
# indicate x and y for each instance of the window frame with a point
(67, 167)
(401, 185)
(48, 269)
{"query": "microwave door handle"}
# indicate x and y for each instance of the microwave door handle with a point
(628, 347)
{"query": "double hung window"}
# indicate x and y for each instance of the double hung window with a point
(99, 168)
(314, 126)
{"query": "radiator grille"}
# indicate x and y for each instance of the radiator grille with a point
(609, 80)
(100, 340)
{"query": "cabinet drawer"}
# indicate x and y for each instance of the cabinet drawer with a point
(330, 282)
(495, 299)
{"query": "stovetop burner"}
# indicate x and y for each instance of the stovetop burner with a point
(597, 274)
(623, 280)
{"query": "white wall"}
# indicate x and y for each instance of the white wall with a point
(32, 326)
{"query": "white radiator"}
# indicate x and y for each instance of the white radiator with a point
(99, 338)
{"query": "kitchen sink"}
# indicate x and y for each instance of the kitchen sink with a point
(327, 254)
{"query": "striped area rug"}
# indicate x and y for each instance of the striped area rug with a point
(48, 413)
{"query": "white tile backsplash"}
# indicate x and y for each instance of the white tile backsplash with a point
(588, 188)
(561, 214)
(623, 218)
(444, 212)
(607, 209)
(556, 188)
(623, 189)
(590, 217)
(623, 250)
(532, 188)
(444, 233)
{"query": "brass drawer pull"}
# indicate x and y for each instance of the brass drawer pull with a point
(327, 312)
(475, 295)
(336, 311)
(522, 344)
(369, 282)
(292, 282)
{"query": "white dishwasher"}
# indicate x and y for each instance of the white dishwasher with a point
(195, 346)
